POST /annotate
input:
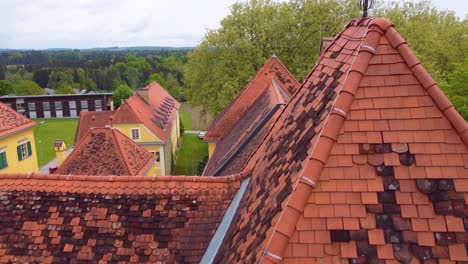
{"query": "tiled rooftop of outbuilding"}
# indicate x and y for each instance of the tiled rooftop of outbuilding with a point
(368, 163)
(272, 70)
(106, 151)
(90, 120)
(12, 121)
(238, 144)
(137, 219)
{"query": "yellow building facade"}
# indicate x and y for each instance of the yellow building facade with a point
(17, 147)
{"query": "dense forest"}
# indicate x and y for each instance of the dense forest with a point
(27, 71)
(228, 57)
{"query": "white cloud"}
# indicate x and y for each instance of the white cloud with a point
(102, 23)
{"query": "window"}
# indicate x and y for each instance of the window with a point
(46, 108)
(58, 109)
(84, 104)
(32, 106)
(158, 157)
(20, 105)
(3, 159)
(98, 105)
(24, 150)
(135, 132)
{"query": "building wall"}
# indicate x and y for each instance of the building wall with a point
(175, 134)
(10, 144)
(147, 137)
(211, 148)
(69, 105)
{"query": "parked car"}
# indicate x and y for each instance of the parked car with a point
(201, 135)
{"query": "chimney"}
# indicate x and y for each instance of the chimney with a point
(324, 44)
(60, 151)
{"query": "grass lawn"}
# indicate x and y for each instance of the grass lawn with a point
(186, 119)
(191, 151)
(48, 132)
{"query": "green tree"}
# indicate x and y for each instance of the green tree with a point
(5, 87)
(456, 88)
(230, 56)
(121, 93)
(227, 58)
(65, 90)
(156, 77)
(27, 88)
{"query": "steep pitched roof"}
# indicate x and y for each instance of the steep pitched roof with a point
(367, 163)
(272, 70)
(137, 219)
(90, 120)
(12, 121)
(238, 144)
(153, 107)
(106, 151)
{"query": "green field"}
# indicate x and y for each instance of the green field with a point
(46, 133)
(192, 149)
(186, 119)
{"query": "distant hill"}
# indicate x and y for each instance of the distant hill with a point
(105, 49)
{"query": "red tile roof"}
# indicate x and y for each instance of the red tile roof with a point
(153, 107)
(90, 120)
(366, 163)
(272, 70)
(12, 121)
(106, 151)
(238, 144)
(137, 219)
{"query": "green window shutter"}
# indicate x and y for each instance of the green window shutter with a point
(29, 149)
(18, 150)
(5, 161)
(2, 160)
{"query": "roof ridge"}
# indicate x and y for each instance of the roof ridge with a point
(428, 83)
(308, 177)
(110, 178)
(119, 147)
(117, 134)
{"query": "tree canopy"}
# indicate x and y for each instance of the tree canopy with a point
(25, 87)
(227, 58)
(121, 93)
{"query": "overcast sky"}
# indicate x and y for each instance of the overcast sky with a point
(43, 24)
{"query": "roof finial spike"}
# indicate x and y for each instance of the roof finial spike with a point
(274, 56)
(365, 5)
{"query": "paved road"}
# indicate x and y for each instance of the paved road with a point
(193, 132)
(45, 168)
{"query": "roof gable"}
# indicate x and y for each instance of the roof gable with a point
(12, 121)
(153, 107)
(272, 70)
(90, 120)
(106, 151)
(290, 163)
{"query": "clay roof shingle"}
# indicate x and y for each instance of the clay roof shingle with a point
(367, 163)
(106, 151)
(12, 121)
(66, 219)
(238, 144)
(272, 70)
(90, 120)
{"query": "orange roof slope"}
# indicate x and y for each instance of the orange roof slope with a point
(12, 121)
(238, 144)
(106, 151)
(153, 107)
(90, 120)
(136, 219)
(272, 70)
(367, 164)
